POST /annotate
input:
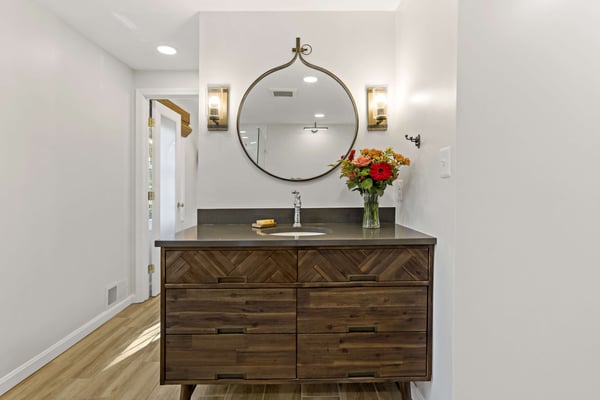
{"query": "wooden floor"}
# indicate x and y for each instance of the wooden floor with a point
(120, 361)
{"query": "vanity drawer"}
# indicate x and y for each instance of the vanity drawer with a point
(362, 355)
(230, 266)
(344, 265)
(362, 309)
(214, 311)
(229, 357)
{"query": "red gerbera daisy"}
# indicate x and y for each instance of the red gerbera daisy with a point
(380, 171)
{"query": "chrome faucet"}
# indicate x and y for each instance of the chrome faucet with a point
(297, 205)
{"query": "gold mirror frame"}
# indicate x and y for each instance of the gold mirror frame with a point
(298, 51)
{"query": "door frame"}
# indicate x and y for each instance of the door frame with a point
(139, 270)
(161, 112)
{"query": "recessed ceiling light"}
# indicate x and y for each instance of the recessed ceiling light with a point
(310, 79)
(168, 50)
(319, 115)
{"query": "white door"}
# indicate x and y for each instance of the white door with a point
(166, 176)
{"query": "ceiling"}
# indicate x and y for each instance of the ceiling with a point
(130, 30)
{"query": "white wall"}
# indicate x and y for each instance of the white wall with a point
(426, 80)
(235, 48)
(165, 79)
(528, 219)
(65, 173)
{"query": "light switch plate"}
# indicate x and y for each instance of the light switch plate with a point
(445, 162)
(399, 192)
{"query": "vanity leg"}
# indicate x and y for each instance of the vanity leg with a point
(405, 390)
(186, 392)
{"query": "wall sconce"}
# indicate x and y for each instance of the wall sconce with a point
(218, 108)
(315, 128)
(377, 109)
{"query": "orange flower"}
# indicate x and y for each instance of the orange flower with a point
(361, 161)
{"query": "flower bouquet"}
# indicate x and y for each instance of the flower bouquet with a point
(369, 174)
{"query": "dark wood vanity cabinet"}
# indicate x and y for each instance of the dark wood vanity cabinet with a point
(269, 315)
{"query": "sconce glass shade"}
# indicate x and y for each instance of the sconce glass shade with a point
(218, 108)
(377, 117)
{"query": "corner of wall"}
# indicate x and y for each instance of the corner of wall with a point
(20, 373)
(415, 392)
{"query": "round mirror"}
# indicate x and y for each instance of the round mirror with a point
(296, 120)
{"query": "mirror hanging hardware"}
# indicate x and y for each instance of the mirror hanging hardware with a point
(415, 139)
(305, 49)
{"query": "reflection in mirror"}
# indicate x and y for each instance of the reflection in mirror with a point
(297, 119)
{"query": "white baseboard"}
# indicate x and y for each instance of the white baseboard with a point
(415, 392)
(17, 375)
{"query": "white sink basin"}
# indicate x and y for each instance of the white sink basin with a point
(289, 231)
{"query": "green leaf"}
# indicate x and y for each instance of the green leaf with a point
(366, 184)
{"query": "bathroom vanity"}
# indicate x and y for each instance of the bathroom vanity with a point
(240, 305)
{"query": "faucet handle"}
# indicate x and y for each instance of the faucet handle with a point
(296, 197)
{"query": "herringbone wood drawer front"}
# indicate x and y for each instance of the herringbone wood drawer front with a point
(211, 311)
(231, 266)
(366, 309)
(342, 265)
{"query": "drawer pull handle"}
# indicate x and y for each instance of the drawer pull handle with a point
(225, 331)
(231, 279)
(354, 329)
(358, 278)
(361, 374)
(231, 376)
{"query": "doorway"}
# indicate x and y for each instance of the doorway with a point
(164, 203)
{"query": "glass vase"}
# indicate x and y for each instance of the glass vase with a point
(371, 211)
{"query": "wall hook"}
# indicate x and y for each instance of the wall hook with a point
(415, 139)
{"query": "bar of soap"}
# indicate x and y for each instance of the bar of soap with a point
(265, 221)
(255, 225)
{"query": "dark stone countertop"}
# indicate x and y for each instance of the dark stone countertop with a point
(339, 234)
